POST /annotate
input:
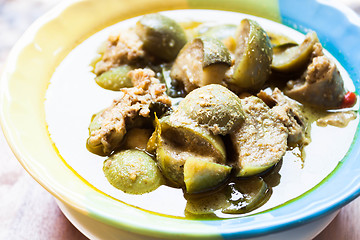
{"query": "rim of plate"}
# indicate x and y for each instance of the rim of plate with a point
(345, 179)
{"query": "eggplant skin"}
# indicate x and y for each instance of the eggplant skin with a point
(290, 57)
(215, 52)
(132, 171)
(202, 61)
(213, 107)
(175, 141)
(200, 175)
(162, 37)
(253, 56)
(115, 79)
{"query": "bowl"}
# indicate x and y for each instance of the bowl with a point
(42, 48)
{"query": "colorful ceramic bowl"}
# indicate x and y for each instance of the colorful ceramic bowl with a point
(41, 49)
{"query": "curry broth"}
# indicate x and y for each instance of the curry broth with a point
(73, 97)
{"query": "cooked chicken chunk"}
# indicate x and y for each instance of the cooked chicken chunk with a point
(289, 113)
(261, 141)
(134, 102)
(320, 85)
(124, 48)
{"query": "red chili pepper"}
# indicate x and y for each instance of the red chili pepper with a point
(349, 100)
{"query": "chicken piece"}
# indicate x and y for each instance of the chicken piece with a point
(202, 61)
(289, 113)
(320, 85)
(121, 115)
(261, 141)
(124, 48)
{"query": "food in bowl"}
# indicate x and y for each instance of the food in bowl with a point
(213, 116)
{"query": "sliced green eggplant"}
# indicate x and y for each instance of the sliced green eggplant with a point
(162, 36)
(202, 61)
(200, 175)
(253, 56)
(254, 192)
(94, 144)
(175, 142)
(132, 171)
(115, 78)
(213, 107)
(239, 196)
(95, 124)
(290, 57)
(278, 49)
(214, 52)
(279, 39)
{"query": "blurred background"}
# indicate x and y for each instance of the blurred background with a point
(27, 211)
